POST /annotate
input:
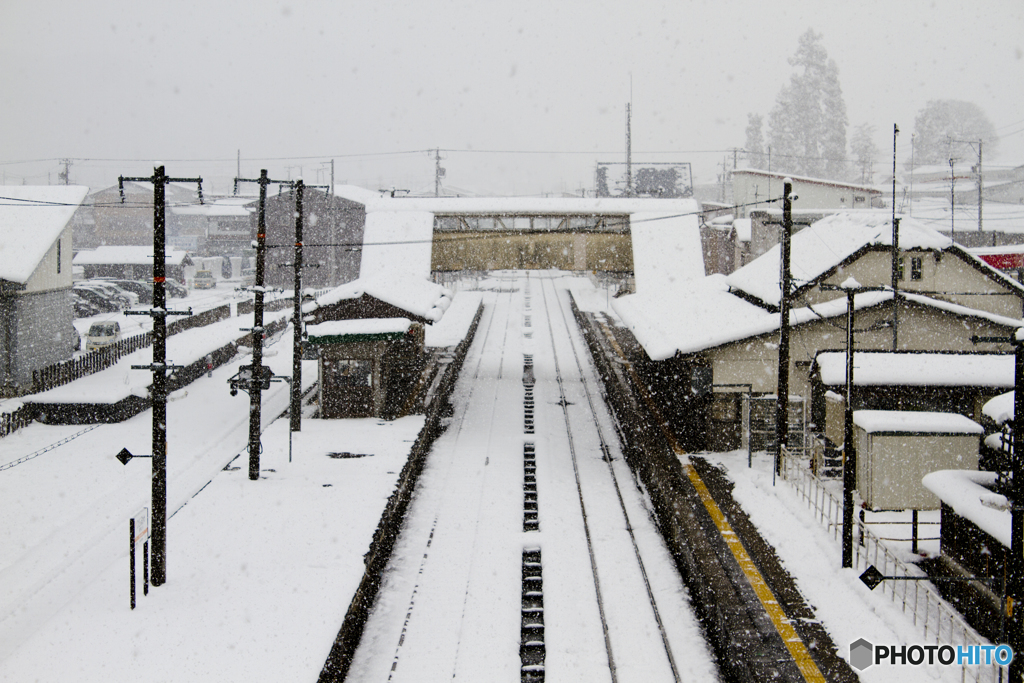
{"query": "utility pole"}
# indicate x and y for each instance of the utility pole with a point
(439, 172)
(159, 366)
(980, 199)
(258, 373)
(296, 387)
(952, 201)
(629, 153)
(782, 401)
(895, 243)
(65, 175)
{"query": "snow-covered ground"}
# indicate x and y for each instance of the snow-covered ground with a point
(260, 574)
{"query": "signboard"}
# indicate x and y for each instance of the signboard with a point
(666, 180)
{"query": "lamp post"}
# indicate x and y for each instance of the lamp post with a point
(852, 288)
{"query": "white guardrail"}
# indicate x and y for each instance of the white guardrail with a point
(939, 621)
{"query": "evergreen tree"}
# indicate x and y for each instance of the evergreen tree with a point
(807, 126)
(945, 129)
(864, 151)
(756, 157)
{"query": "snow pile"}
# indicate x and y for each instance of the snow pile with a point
(667, 250)
(454, 326)
(968, 493)
(1000, 408)
(32, 217)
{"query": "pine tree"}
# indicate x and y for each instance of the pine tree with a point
(756, 157)
(945, 129)
(807, 126)
(864, 151)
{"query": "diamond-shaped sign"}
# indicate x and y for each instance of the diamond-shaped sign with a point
(872, 577)
(124, 456)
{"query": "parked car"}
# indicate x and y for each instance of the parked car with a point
(175, 289)
(144, 290)
(102, 334)
(83, 307)
(103, 301)
(130, 298)
(204, 280)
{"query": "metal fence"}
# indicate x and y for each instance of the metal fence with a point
(940, 623)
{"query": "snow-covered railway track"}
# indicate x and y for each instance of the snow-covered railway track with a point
(575, 361)
(496, 572)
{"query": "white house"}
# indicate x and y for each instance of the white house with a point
(36, 312)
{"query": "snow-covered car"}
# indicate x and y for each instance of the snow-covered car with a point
(204, 280)
(83, 307)
(175, 289)
(144, 290)
(102, 334)
(104, 301)
(130, 298)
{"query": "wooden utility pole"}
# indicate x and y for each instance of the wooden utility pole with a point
(159, 367)
(296, 388)
(258, 372)
(782, 401)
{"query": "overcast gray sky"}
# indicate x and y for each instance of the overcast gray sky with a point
(524, 95)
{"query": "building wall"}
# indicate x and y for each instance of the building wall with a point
(755, 361)
(335, 223)
(54, 270)
(890, 467)
(749, 188)
(948, 278)
(39, 327)
(508, 250)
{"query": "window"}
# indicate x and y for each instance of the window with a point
(899, 269)
(916, 267)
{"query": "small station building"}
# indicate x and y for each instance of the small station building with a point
(369, 336)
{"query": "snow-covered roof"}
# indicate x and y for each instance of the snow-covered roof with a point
(571, 206)
(743, 229)
(918, 369)
(418, 296)
(667, 250)
(704, 314)
(399, 231)
(967, 492)
(116, 255)
(359, 327)
(805, 179)
(915, 421)
(227, 206)
(32, 217)
(825, 244)
(397, 242)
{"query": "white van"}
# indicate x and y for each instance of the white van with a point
(102, 334)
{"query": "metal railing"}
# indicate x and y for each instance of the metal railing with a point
(940, 623)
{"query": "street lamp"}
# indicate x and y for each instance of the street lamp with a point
(852, 288)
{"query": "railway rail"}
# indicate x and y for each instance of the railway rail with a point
(555, 532)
